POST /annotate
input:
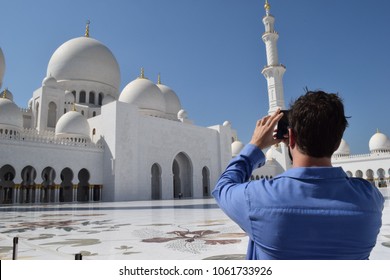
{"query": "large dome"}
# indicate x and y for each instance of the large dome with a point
(343, 149)
(172, 102)
(379, 142)
(144, 94)
(84, 59)
(72, 125)
(2, 67)
(10, 115)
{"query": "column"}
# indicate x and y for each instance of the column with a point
(38, 194)
(57, 193)
(90, 193)
(16, 194)
(74, 195)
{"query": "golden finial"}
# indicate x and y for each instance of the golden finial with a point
(159, 79)
(5, 93)
(74, 107)
(142, 76)
(87, 28)
(267, 7)
(377, 130)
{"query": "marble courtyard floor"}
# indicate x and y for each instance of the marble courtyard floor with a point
(141, 230)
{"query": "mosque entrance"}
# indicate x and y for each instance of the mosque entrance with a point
(182, 176)
(156, 181)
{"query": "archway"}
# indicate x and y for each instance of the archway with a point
(83, 187)
(182, 176)
(156, 181)
(66, 189)
(206, 181)
(52, 115)
(7, 175)
(48, 177)
(29, 175)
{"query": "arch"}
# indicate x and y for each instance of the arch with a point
(66, 187)
(370, 175)
(48, 176)
(156, 181)
(82, 97)
(100, 101)
(349, 173)
(206, 181)
(92, 97)
(258, 178)
(359, 174)
(381, 178)
(182, 176)
(52, 115)
(7, 176)
(83, 186)
(29, 174)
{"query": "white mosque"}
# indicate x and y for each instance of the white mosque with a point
(81, 139)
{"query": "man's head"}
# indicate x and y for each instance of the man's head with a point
(317, 122)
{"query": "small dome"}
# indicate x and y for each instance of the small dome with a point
(10, 114)
(182, 114)
(30, 102)
(2, 67)
(237, 146)
(172, 102)
(69, 97)
(7, 94)
(108, 99)
(226, 123)
(343, 149)
(72, 125)
(49, 81)
(84, 59)
(379, 142)
(144, 94)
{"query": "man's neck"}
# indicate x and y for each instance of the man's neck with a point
(301, 160)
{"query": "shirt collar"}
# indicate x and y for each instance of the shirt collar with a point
(314, 173)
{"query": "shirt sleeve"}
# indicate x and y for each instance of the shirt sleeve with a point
(230, 190)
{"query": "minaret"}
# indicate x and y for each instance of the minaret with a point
(274, 71)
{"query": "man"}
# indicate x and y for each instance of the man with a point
(313, 210)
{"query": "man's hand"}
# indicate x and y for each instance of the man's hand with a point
(263, 136)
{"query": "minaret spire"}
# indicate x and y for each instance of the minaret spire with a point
(273, 71)
(87, 28)
(267, 7)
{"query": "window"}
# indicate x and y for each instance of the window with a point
(91, 97)
(82, 97)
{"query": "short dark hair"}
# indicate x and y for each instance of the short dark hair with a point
(318, 122)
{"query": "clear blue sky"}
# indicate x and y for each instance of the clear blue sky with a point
(211, 53)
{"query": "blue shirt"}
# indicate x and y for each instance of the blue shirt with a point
(304, 213)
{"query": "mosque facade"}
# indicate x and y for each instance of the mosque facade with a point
(81, 139)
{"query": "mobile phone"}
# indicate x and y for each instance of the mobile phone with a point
(283, 125)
